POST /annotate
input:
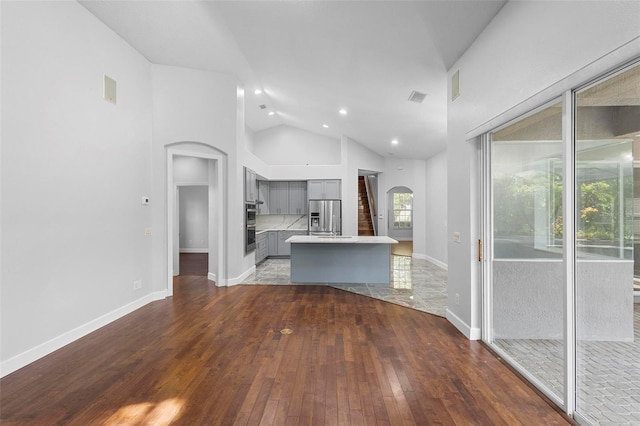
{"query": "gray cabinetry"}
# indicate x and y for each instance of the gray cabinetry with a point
(263, 197)
(324, 189)
(284, 248)
(250, 188)
(272, 243)
(278, 197)
(298, 197)
(262, 249)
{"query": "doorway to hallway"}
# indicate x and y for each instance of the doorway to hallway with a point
(196, 264)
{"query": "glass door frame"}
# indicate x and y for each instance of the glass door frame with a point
(487, 257)
(570, 212)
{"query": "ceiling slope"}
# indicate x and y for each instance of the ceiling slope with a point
(312, 58)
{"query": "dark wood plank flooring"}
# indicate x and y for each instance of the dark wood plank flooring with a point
(216, 356)
(194, 264)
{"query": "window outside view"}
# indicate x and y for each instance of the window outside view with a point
(527, 268)
(402, 205)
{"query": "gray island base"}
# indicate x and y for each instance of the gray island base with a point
(340, 259)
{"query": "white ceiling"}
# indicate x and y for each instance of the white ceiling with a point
(312, 58)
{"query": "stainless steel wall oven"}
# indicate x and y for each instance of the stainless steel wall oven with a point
(250, 226)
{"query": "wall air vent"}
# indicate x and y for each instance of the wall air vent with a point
(263, 106)
(417, 96)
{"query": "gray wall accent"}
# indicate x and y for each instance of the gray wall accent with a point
(528, 301)
(340, 263)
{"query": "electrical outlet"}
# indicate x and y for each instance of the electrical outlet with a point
(137, 284)
(457, 299)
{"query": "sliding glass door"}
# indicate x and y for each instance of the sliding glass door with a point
(526, 246)
(607, 125)
(559, 280)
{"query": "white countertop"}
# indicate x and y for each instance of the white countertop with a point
(340, 239)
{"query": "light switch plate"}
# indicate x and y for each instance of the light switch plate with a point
(456, 237)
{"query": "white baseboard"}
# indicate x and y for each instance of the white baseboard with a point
(33, 354)
(211, 277)
(194, 250)
(238, 280)
(431, 259)
(464, 328)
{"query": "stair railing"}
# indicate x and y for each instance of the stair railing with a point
(372, 205)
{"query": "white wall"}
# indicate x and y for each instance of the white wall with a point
(520, 60)
(200, 107)
(74, 169)
(191, 175)
(190, 170)
(194, 219)
(286, 145)
(436, 209)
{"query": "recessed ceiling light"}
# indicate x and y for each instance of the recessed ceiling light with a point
(394, 142)
(325, 126)
(257, 91)
(343, 111)
(271, 113)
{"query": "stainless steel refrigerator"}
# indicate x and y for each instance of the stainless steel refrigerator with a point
(325, 217)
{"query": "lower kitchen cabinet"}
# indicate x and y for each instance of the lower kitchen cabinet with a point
(272, 243)
(262, 249)
(284, 248)
(276, 244)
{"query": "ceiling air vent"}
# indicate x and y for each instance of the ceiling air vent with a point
(263, 106)
(417, 96)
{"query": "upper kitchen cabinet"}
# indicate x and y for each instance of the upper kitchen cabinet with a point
(324, 189)
(278, 197)
(263, 197)
(250, 185)
(298, 197)
(287, 197)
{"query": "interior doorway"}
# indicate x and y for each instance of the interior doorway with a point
(400, 217)
(209, 174)
(193, 229)
(367, 203)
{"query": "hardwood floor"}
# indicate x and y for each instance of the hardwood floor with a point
(216, 356)
(194, 264)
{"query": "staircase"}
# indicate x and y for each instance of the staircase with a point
(365, 224)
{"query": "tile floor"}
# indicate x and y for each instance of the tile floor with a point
(608, 373)
(416, 283)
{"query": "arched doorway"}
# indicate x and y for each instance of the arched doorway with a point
(400, 219)
(216, 212)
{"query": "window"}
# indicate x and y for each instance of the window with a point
(402, 208)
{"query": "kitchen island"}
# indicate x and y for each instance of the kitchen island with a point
(340, 259)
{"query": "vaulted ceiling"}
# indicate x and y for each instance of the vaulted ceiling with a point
(312, 58)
